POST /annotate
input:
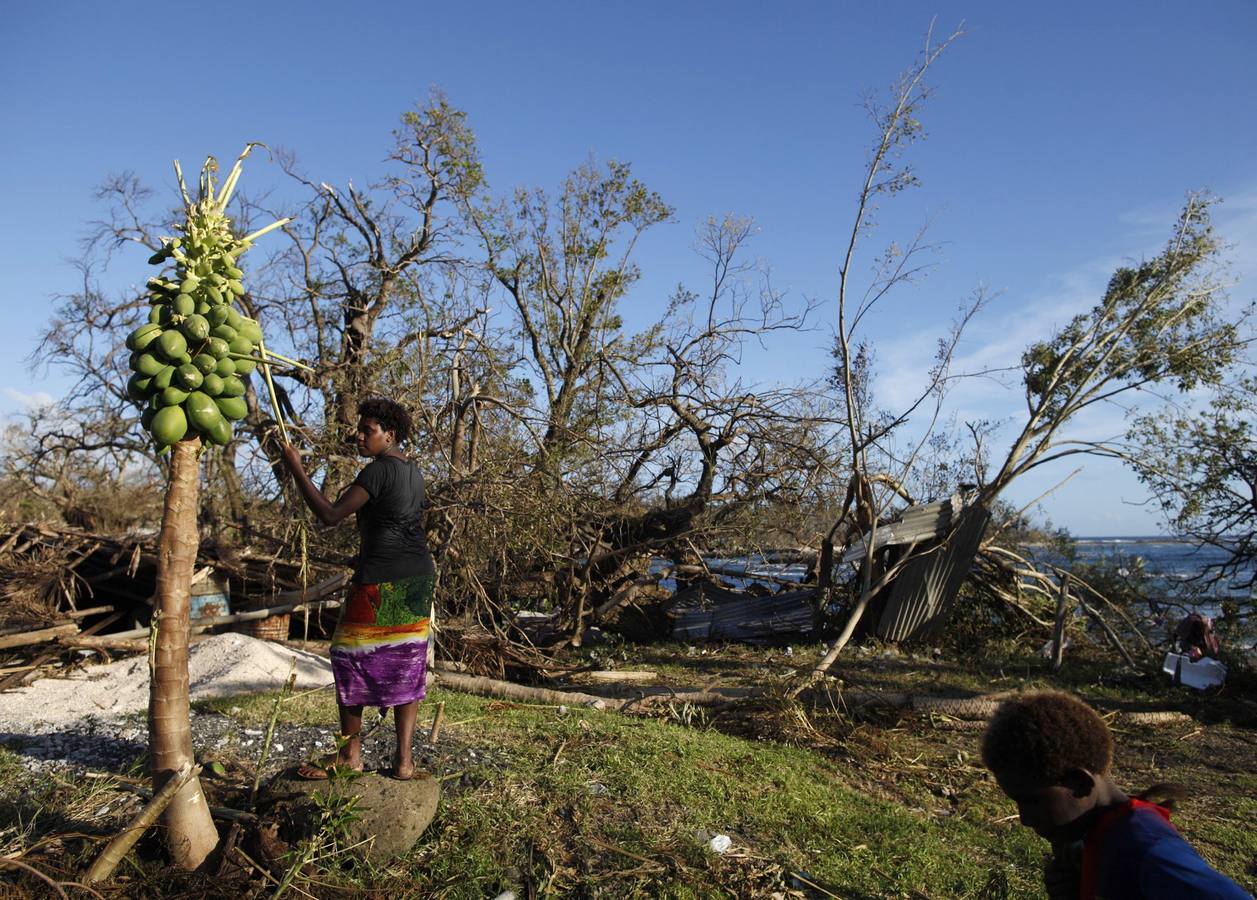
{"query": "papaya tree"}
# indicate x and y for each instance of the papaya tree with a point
(188, 362)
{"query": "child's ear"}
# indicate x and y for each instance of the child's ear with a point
(1079, 781)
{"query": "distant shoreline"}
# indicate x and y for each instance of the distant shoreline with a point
(1134, 539)
(1120, 539)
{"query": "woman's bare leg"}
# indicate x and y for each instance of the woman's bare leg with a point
(349, 752)
(403, 757)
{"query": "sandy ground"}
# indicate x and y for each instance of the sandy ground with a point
(218, 666)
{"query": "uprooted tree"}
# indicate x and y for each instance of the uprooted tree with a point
(563, 448)
(1161, 324)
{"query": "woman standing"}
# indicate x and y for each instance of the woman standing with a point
(380, 646)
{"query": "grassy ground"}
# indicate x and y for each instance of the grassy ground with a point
(586, 803)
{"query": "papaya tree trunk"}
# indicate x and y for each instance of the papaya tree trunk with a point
(189, 828)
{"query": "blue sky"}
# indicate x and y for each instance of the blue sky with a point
(1061, 140)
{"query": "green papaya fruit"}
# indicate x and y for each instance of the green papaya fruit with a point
(250, 329)
(188, 377)
(154, 315)
(233, 386)
(204, 363)
(233, 273)
(215, 295)
(216, 347)
(195, 328)
(224, 331)
(245, 366)
(172, 396)
(233, 408)
(164, 379)
(172, 344)
(202, 412)
(212, 385)
(226, 366)
(142, 336)
(241, 345)
(146, 417)
(220, 434)
(236, 287)
(234, 318)
(138, 387)
(170, 424)
(184, 304)
(148, 364)
(202, 308)
(217, 316)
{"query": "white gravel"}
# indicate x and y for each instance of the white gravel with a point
(219, 666)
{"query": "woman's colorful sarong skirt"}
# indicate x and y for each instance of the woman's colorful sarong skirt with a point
(380, 647)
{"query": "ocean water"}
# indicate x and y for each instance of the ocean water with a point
(1163, 558)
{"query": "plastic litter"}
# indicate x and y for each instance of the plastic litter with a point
(720, 843)
(1203, 674)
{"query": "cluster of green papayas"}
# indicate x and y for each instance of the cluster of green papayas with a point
(190, 360)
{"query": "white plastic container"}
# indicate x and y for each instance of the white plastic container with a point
(1201, 675)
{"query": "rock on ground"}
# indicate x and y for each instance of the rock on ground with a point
(389, 815)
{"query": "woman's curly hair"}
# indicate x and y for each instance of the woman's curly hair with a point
(392, 416)
(1042, 735)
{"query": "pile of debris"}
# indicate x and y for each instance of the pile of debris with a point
(65, 589)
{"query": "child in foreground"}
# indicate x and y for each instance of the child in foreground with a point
(1050, 753)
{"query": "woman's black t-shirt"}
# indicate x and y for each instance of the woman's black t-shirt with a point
(390, 524)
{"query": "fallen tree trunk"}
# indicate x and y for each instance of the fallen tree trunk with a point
(38, 636)
(118, 645)
(976, 709)
(508, 690)
(20, 677)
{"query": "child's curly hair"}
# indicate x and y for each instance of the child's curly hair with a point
(1041, 735)
(391, 416)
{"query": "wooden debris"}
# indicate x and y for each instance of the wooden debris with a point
(121, 844)
(212, 621)
(226, 813)
(435, 733)
(1058, 631)
(108, 642)
(506, 690)
(18, 678)
(617, 675)
(38, 636)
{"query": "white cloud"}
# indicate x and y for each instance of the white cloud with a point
(32, 400)
(1105, 497)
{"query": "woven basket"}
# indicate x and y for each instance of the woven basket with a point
(272, 628)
